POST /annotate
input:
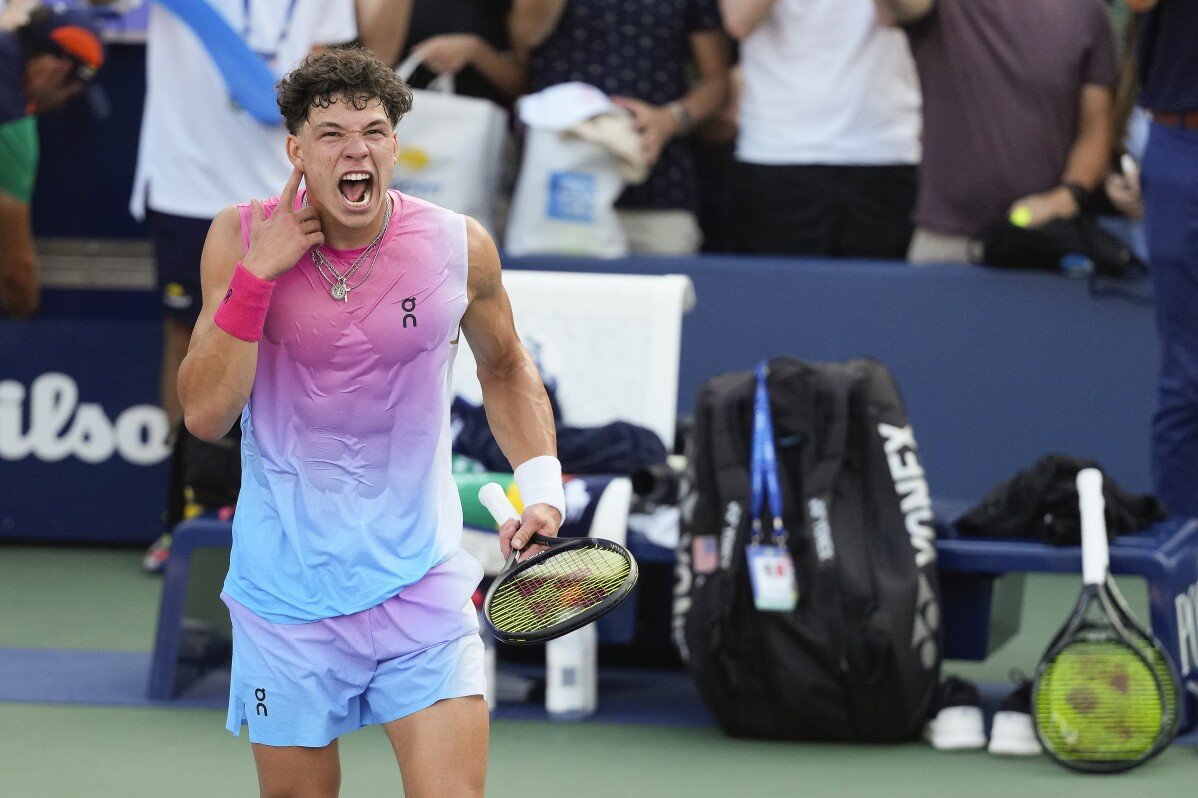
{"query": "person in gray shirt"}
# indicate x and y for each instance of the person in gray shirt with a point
(1016, 111)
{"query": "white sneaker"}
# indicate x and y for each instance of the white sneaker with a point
(959, 724)
(1012, 733)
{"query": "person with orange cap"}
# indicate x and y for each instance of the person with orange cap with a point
(44, 64)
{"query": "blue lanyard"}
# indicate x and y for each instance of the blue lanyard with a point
(247, 27)
(764, 464)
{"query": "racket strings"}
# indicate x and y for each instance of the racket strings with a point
(1099, 701)
(1163, 672)
(557, 588)
(1149, 650)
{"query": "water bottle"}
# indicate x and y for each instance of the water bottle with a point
(570, 675)
(590, 665)
(1076, 264)
(491, 696)
(490, 677)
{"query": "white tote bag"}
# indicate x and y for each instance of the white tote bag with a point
(565, 198)
(450, 148)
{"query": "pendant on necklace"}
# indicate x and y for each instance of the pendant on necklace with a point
(339, 292)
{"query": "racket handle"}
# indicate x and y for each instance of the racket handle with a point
(496, 501)
(1092, 507)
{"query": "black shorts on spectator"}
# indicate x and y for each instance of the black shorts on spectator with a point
(830, 211)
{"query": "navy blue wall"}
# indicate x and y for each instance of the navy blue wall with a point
(75, 484)
(996, 369)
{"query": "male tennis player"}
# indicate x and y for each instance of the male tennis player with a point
(329, 324)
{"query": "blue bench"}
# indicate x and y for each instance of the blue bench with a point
(170, 674)
(980, 611)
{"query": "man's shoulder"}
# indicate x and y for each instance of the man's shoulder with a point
(421, 214)
(417, 205)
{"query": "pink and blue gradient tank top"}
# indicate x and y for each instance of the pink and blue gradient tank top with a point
(347, 492)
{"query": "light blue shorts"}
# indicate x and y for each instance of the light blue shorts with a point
(309, 683)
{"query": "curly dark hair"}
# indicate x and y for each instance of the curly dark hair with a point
(352, 74)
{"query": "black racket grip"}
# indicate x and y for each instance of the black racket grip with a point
(537, 539)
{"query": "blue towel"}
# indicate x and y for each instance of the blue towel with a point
(250, 81)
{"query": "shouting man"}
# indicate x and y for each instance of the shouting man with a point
(329, 324)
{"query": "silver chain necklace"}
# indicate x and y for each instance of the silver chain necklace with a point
(338, 287)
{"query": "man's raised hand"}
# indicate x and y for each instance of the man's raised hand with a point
(278, 242)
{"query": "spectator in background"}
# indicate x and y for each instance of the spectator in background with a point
(829, 129)
(199, 152)
(44, 63)
(638, 53)
(465, 38)
(1016, 112)
(1169, 71)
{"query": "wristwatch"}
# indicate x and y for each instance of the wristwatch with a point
(1080, 193)
(686, 122)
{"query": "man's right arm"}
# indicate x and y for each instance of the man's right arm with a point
(216, 376)
(903, 12)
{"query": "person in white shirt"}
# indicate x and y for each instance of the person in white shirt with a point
(199, 152)
(829, 129)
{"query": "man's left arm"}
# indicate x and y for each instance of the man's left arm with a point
(517, 406)
(1091, 151)
(19, 287)
(1086, 164)
(657, 124)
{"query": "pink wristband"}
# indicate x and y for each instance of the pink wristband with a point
(242, 313)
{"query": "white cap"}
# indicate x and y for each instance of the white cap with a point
(563, 106)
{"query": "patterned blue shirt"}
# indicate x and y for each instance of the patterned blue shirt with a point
(635, 48)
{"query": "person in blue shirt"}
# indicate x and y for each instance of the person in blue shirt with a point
(1169, 178)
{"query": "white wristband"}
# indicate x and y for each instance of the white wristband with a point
(540, 482)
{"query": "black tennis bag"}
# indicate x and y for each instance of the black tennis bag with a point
(858, 658)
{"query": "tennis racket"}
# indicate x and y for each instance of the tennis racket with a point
(1099, 704)
(553, 592)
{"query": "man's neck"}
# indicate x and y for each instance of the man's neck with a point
(337, 236)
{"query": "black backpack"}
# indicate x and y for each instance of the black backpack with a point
(858, 658)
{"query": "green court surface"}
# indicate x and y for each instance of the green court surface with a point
(99, 599)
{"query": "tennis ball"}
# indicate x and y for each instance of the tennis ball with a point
(1021, 216)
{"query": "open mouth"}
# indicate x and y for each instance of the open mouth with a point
(357, 188)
